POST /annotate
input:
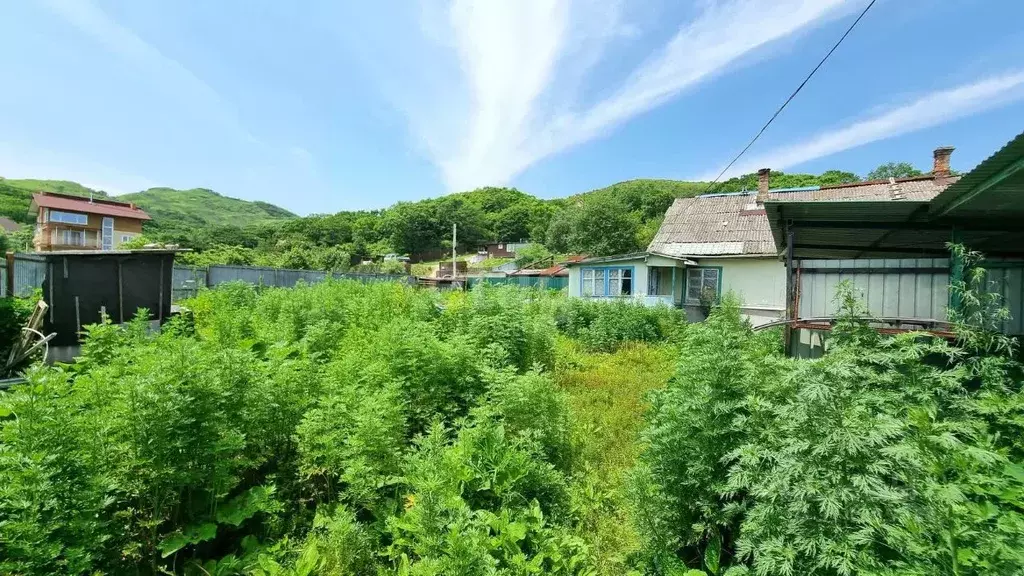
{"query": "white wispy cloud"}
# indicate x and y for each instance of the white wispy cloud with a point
(929, 110)
(240, 155)
(525, 63)
(92, 21)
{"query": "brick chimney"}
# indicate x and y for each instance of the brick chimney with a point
(763, 177)
(941, 167)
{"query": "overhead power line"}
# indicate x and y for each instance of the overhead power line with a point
(791, 96)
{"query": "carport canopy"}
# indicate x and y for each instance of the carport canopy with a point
(984, 210)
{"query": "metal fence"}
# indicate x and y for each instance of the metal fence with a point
(29, 272)
(1007, 278)
(543, 282)
(905, 288)
(186, 280)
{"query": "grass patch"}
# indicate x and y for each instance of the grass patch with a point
(607, 398)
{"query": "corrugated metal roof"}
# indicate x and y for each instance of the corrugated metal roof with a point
(735, 225)
(1006, 165)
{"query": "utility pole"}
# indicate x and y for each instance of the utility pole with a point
(453, 251)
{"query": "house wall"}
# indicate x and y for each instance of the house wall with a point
(639, 277)
(49, 234)
(760, 283)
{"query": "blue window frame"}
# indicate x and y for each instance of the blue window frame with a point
(607, 281)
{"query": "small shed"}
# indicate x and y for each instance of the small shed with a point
(82, 286)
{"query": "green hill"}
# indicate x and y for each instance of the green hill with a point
(16, 195)
(171, 209)
(200, 207)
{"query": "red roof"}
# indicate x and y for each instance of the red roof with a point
(78, 204)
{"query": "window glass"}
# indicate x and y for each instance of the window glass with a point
(627, 283)
(700, 279)
(614, 282)
(588, 282)
(693, 282)
(73, 238)
(599, 283)
(68, 217)
(108, 233)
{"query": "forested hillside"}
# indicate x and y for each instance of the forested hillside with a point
(16, 195)
(178, 211)
(622, 217)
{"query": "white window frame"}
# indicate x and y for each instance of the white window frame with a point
(126, 238)
(607, 281)
(68, 217)
(107, 234)
(67, 235)
(698, 278)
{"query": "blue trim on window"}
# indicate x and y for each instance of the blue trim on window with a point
(607, 269)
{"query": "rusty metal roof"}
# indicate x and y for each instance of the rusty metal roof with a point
(920, 188)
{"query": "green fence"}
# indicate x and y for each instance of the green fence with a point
(546, 282)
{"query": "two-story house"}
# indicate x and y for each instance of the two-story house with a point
(66, 222)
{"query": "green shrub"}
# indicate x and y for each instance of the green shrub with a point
(889, 455)
(351, 443)
(14, 314)
(482, 503)
(605, 325)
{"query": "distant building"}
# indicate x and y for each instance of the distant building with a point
(503, 249)
(66, 222)
(8, 225)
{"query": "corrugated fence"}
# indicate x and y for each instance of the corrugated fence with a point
(186, 280)
(28, 274)
(905, 288)
(1007, 277)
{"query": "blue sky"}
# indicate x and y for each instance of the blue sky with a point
(320, 106)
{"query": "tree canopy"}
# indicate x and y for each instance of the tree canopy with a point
(894, 170)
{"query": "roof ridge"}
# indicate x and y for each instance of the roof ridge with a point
(86, 198)
(880, 181)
